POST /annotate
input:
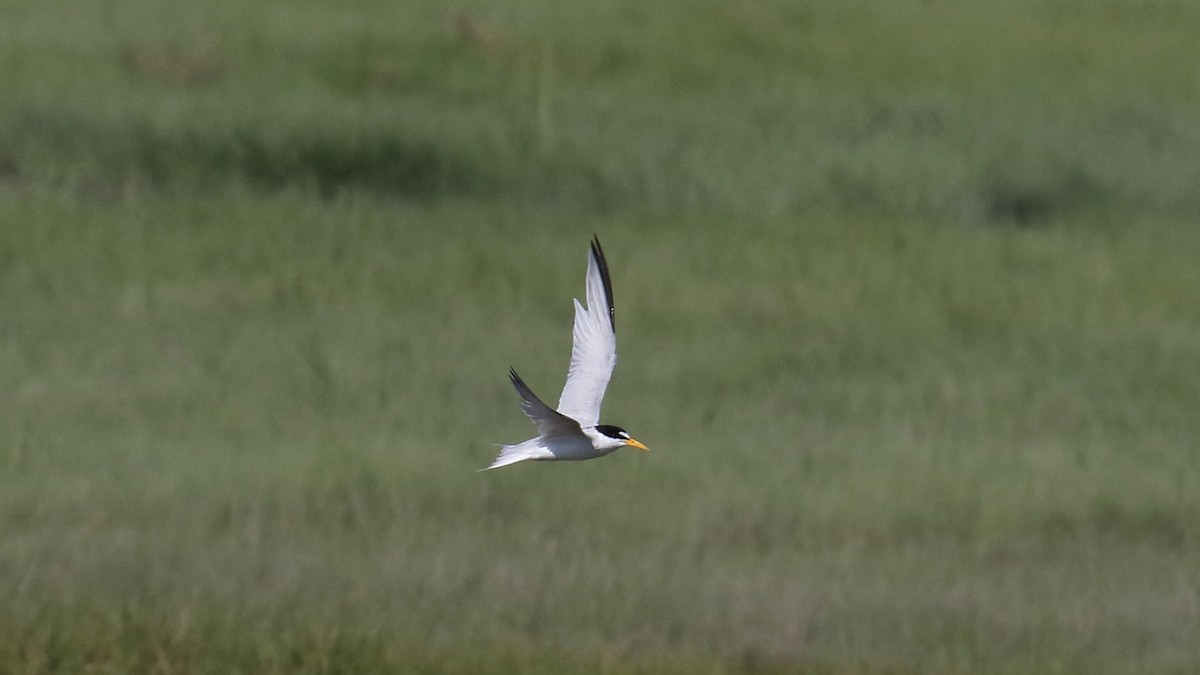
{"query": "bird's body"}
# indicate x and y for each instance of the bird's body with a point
(572, 432)
(563, 448)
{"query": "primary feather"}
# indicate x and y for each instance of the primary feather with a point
(548, 422)
(594, 348)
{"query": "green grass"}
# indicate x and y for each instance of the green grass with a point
(907, 294)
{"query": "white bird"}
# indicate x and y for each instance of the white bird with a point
(572, 432)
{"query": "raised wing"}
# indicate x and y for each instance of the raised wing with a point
(594, 349)
(548, 422)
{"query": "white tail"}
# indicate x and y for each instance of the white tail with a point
(511, 454)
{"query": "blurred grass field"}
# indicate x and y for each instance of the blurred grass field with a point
(908, 307)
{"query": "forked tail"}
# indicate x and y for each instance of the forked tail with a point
(511, 454)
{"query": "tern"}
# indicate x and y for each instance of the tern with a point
(573, 432)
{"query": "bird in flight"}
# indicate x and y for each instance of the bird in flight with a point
(573, 431)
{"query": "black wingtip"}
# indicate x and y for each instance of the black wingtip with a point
(517, 382)
(602, 264)
(522, 388)
(524, 391)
